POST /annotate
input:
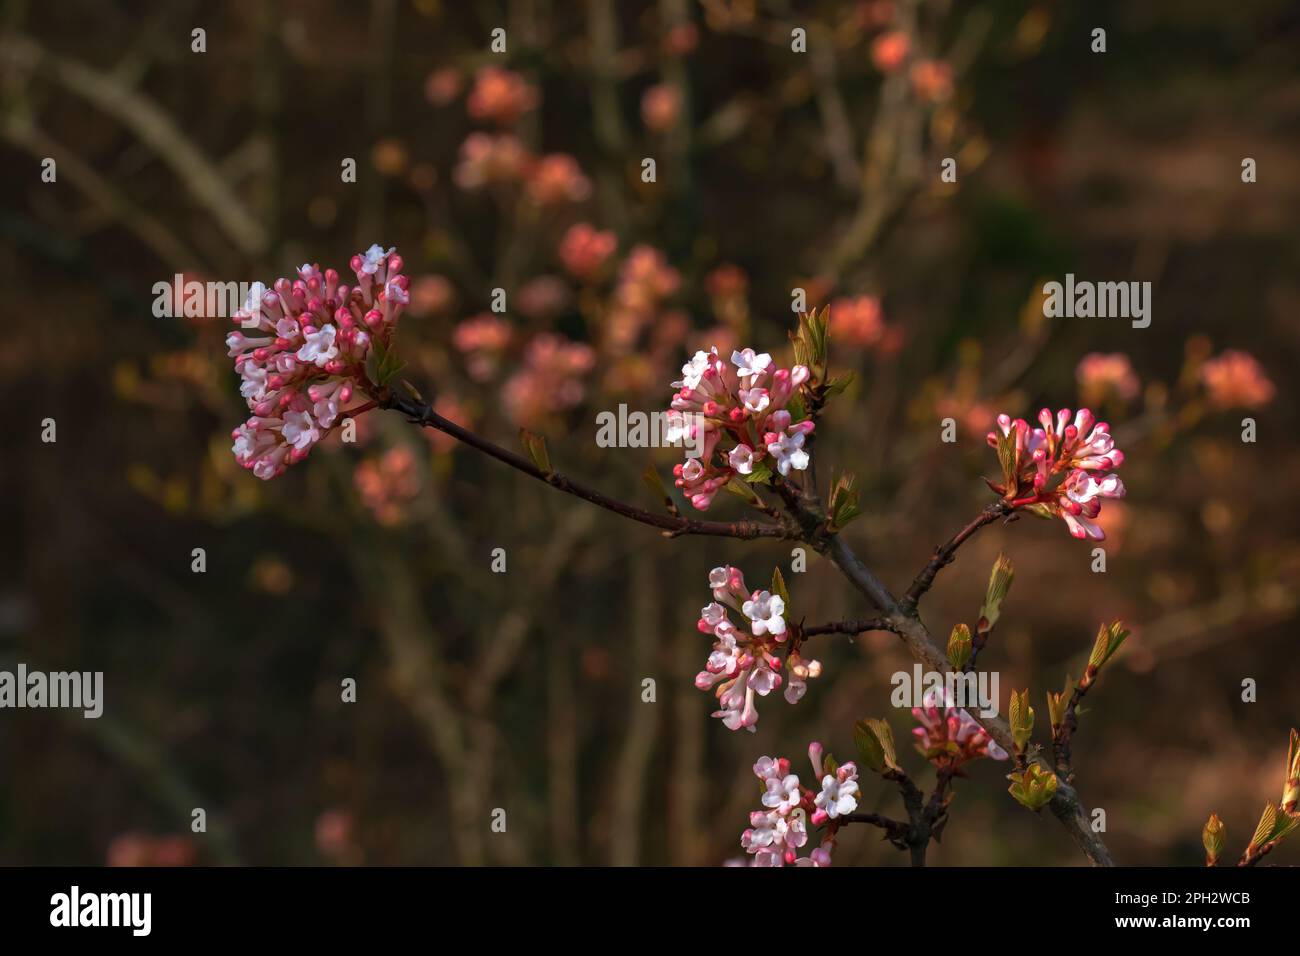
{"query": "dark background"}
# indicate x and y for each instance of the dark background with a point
(523, 690)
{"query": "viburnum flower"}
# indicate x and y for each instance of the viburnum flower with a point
(949, 735)
(744, 664)
(839, 794)
(1058, 470)
(746, 404)
(1105, 375)
(584, 250)
(500, 96)
(1236, 380)
(301, 354)
(776, 833)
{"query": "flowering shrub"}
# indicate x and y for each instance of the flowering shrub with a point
(751, 422)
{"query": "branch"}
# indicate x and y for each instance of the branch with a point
(921, 645)
(421, 413)
(155, 128)
(1061, 739)
(944, 554)
(896, 831)
(848, 627)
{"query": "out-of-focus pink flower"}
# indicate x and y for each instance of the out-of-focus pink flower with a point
(878, 13)
(486, 159)
(932, 80)
(1104, 376)
(727, 281)
(482, 339)
(857, 322)
(584, 250)
(889, 50)
(336, 837)
(971, 416)
(388, 484)
(306, 356)
(645, 280)
(500, 96)
(432, 295)
(543, 297)
(550, 381)
(143, 849)
(444, 85)
(1235, 379)
(1058, 470)
(557, 179)
(661, 105)
(646, 275)
(681, 39)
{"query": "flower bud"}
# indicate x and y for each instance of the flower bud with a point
(1291, 788)
(1034, 788)
(1212, 837)
(1000, 579)
(959, 647)
(1021, 716)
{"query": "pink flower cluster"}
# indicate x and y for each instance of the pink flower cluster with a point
(1058, 470)
(1105, 375)
(584, 250)
(309, 359)
(1236, 380)
(744, 663)
(748, 404)
(500, 96)
(777, 832)
(387, 483)
(950, 736)
(551, 379)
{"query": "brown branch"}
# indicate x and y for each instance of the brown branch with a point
(421, 413)
(896, 831)
(944, 553)
(1065, 732)
(811, 524)
(847, 627)
(904, 622)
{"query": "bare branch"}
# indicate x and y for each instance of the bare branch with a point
(944, 553)
(421, 413)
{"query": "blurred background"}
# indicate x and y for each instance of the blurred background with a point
(775, 170)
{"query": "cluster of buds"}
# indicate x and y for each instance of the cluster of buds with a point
(1058, 470)
(751, 404)
(311, 340)
(949, 736)
(1034, 787)
(777, 832)
(745, 663)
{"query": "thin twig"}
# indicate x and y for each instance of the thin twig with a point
(944, 553)
(423, 414)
